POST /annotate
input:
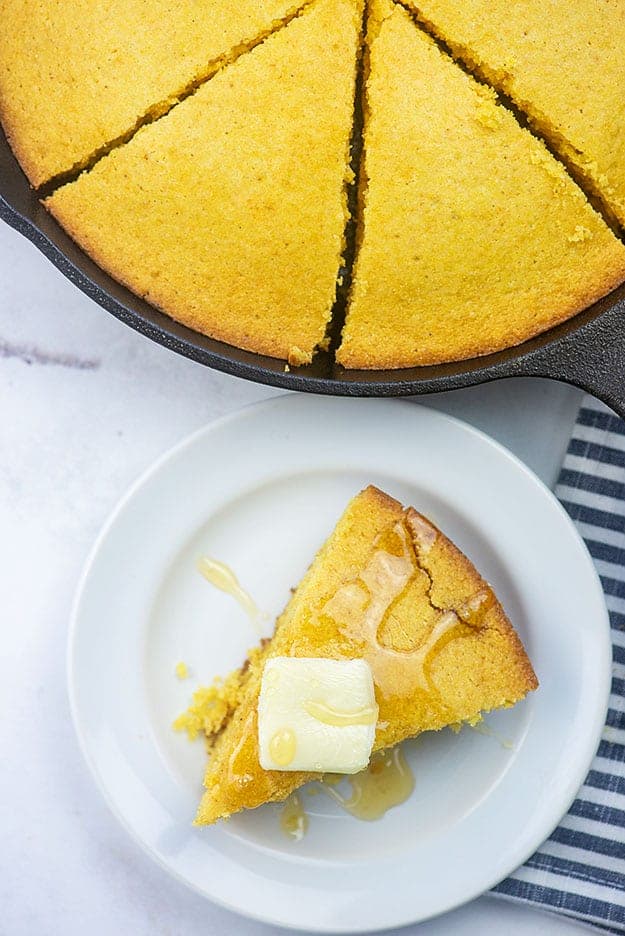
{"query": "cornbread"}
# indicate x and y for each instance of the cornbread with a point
(76, 76)
(473, 237)
(389, 588)
(562, 63)
(205, 153)
(229, 213)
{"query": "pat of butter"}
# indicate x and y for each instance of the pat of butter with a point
(316, 715)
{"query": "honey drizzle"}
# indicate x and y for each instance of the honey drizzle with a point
(360, 607)
(482, 728)
(473, 611)
(222, 577)
(331, 716)
(282, 747)
(293, 818)
(234, 776)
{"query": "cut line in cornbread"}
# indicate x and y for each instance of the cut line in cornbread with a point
(472, 236)
(229, 213)
(561, 62)
(76, 77)
(390, 588)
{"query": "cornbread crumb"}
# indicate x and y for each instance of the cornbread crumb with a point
(296, 356)
(212, 705)
(182, 671)
(580, 234)
(486, 114)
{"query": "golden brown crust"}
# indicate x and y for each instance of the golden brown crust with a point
(379, 500)
(453, 576)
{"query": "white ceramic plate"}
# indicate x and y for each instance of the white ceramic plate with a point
(260, 491)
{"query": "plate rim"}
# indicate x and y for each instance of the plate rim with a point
(188, 442)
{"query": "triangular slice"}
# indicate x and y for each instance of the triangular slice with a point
(390, 588)
(229, 213)
(76, 76)
(562, 63)
(473, 237)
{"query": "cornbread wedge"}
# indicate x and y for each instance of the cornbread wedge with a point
(473, 237)
(229, 213)
(562, 63)
(76, 76)
(390, 588)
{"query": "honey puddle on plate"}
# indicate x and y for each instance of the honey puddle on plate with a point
(222, 577)
(386, 782)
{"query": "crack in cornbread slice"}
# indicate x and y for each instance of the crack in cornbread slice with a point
(561, 62)
(390, 588)
(75, 77)
(473, 237)
(229, 213)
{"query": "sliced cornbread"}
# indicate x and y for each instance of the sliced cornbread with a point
(387, 587)
(473, 237)
(562, 63)
(229, 213)
(76, 76)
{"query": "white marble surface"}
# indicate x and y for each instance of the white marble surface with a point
(85, 406)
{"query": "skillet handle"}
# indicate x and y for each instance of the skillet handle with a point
(592, 357)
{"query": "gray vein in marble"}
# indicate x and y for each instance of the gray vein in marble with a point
(30, 354)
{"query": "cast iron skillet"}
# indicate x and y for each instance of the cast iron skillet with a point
(588, 351)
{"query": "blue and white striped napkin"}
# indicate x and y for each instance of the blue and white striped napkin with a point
(580, 869)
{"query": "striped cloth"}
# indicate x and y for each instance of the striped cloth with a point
(580, 869)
